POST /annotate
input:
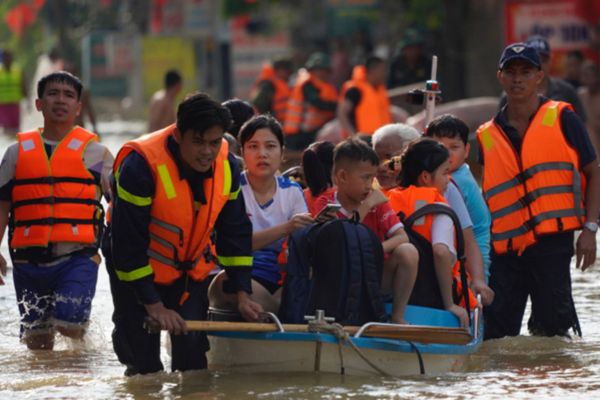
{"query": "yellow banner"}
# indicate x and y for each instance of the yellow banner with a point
(160, 54)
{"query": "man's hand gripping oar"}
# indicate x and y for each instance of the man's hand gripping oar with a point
(161, 318)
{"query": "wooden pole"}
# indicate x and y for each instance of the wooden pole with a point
(416, 333)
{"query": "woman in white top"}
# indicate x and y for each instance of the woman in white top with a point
(274, 204)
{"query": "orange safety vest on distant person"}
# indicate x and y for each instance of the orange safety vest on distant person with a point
(180, 228)
(56, 199)
(282, 91)
(406, 201)
(373, 109)
(537, 192)
(301, 116)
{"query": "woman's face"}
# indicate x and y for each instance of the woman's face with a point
(262, 153)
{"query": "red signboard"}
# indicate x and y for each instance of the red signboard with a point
(566, 24)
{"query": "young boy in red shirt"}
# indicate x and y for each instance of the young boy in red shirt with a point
(354, 168)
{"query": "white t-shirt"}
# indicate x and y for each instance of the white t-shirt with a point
(442, 231)
(456, 201)
(287, 201)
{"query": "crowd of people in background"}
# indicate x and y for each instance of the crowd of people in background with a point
(209, 188)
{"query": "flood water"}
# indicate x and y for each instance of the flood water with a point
(516, 368)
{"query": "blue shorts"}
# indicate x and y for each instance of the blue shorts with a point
(60, 294)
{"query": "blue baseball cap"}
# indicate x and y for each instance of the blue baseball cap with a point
(519, 51)
(540, 44)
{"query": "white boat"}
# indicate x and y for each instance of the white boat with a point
(319, 351)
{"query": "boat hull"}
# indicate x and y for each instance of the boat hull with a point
(292, 352)
(299, 351)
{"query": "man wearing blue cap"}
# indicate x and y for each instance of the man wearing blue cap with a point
(551, 87)
(541, 181)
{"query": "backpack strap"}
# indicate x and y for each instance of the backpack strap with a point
(372, 267)
(355, 217)
(435, 208)
(354, 273)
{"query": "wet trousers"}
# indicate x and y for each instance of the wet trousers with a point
(140, 350)
(542, 274)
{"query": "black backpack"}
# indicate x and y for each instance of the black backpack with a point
(336, 267)
(426, 291)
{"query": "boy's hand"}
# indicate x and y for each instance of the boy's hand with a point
(461, 314)
(487, 294)
(375, 198)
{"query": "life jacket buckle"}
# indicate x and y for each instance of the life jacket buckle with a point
(185, 265)
(523, 176)
(526, 200)
(530, 224)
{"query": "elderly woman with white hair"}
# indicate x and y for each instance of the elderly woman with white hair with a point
(388, 142)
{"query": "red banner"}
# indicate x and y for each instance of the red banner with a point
(567, 25)
(21, 16)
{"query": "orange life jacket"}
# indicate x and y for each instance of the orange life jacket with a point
(180, 228)
(282, 91)
(539, 191)
(301, 116)
(56, 199)
(406, 201)
(373, 109)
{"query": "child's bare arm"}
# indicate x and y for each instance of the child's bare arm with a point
(375, 198)
(399, 237)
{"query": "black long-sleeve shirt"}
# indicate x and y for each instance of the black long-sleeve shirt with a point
(131, 218)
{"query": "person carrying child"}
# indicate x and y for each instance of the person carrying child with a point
(424, 176)
(453, 133)
(354, 168)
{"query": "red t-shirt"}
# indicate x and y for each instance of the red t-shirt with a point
(382, 219)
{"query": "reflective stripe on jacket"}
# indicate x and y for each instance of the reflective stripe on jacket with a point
(301, 116)
(406, 201)
(180, 227)
(539, 191)
(10, 85)
(54, 200)
(373, 109)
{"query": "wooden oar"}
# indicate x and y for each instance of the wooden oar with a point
(421, 334)
(416, 333)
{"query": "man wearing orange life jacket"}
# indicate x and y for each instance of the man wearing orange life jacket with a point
(541, 182)
(312, 104)
(365, 106)
(272, 91)
(52, 207)
(172, 188)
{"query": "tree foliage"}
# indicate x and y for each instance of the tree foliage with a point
(61, 24)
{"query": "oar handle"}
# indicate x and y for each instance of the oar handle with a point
(153, 326)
